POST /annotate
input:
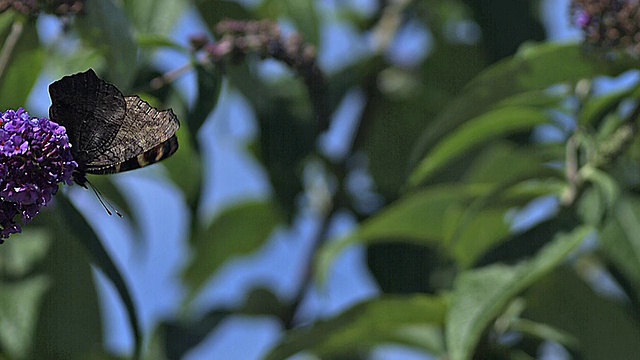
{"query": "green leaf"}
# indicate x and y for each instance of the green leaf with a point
(542, 99)
(22, 76)
(7, 18)
(477, 231)
(70, 321)
(595, 109)
(19, 304)
(305, 16)
(185, 169)
(179, 338)
(157, 17)
(480, 295)
(390, 127)
(602, 326)
(591, 207)
(107, 28)
(23, 67)
(287, 130)
(443, 217)
(399, 107)
(503, 162)
(239, 230)
(287, 140)
(24, 252)
(604, 182)
(620, 241)
(543, 331)
(302, 12)
(153, 41)
(421, 217)
(209, 87)
(534, 67)
(485, 224)
(62, 63)
(480, 130)
(414, 321)
(213, 12)
(597, 201)
(98, 255)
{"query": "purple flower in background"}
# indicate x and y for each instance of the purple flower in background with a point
(35, 155)
(609, 25)
(583, 19)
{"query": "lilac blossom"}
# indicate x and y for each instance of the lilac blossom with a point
(35, 156)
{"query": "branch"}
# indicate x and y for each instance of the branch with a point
(9, 45)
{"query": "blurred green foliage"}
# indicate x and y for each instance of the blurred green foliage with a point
(451, 142)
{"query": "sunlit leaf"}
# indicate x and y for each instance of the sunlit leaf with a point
(537, 98)
(154, 41)
(6, 19)
(480, 295)
(156, 17)
(534, 67)
(596, 108)
(501, 162)
(23, 66)
(478, 232)
(414, 320)
(24, 252)
(19, 304)
(482, 129)
(543, 331)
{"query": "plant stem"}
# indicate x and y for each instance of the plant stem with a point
(9, 45)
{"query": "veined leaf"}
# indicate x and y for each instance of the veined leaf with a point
(413, 321)
(534, 67)
(480, 295)
(482, 129)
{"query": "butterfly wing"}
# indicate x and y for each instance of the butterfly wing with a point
(110, 132)
(146, 136)
(91, 110)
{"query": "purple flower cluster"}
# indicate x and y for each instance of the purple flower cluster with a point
(609, 25)
(35, 155)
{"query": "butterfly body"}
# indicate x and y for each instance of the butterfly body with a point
(110, 132)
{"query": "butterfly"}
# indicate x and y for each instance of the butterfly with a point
(110, 132)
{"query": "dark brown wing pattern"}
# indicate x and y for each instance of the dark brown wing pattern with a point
(90, 109)
(109, 132)
(146, 136)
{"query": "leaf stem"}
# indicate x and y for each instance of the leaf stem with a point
(306, 281)
(9, 45)
(170, 76)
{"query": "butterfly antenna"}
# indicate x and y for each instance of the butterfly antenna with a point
(105, 203)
